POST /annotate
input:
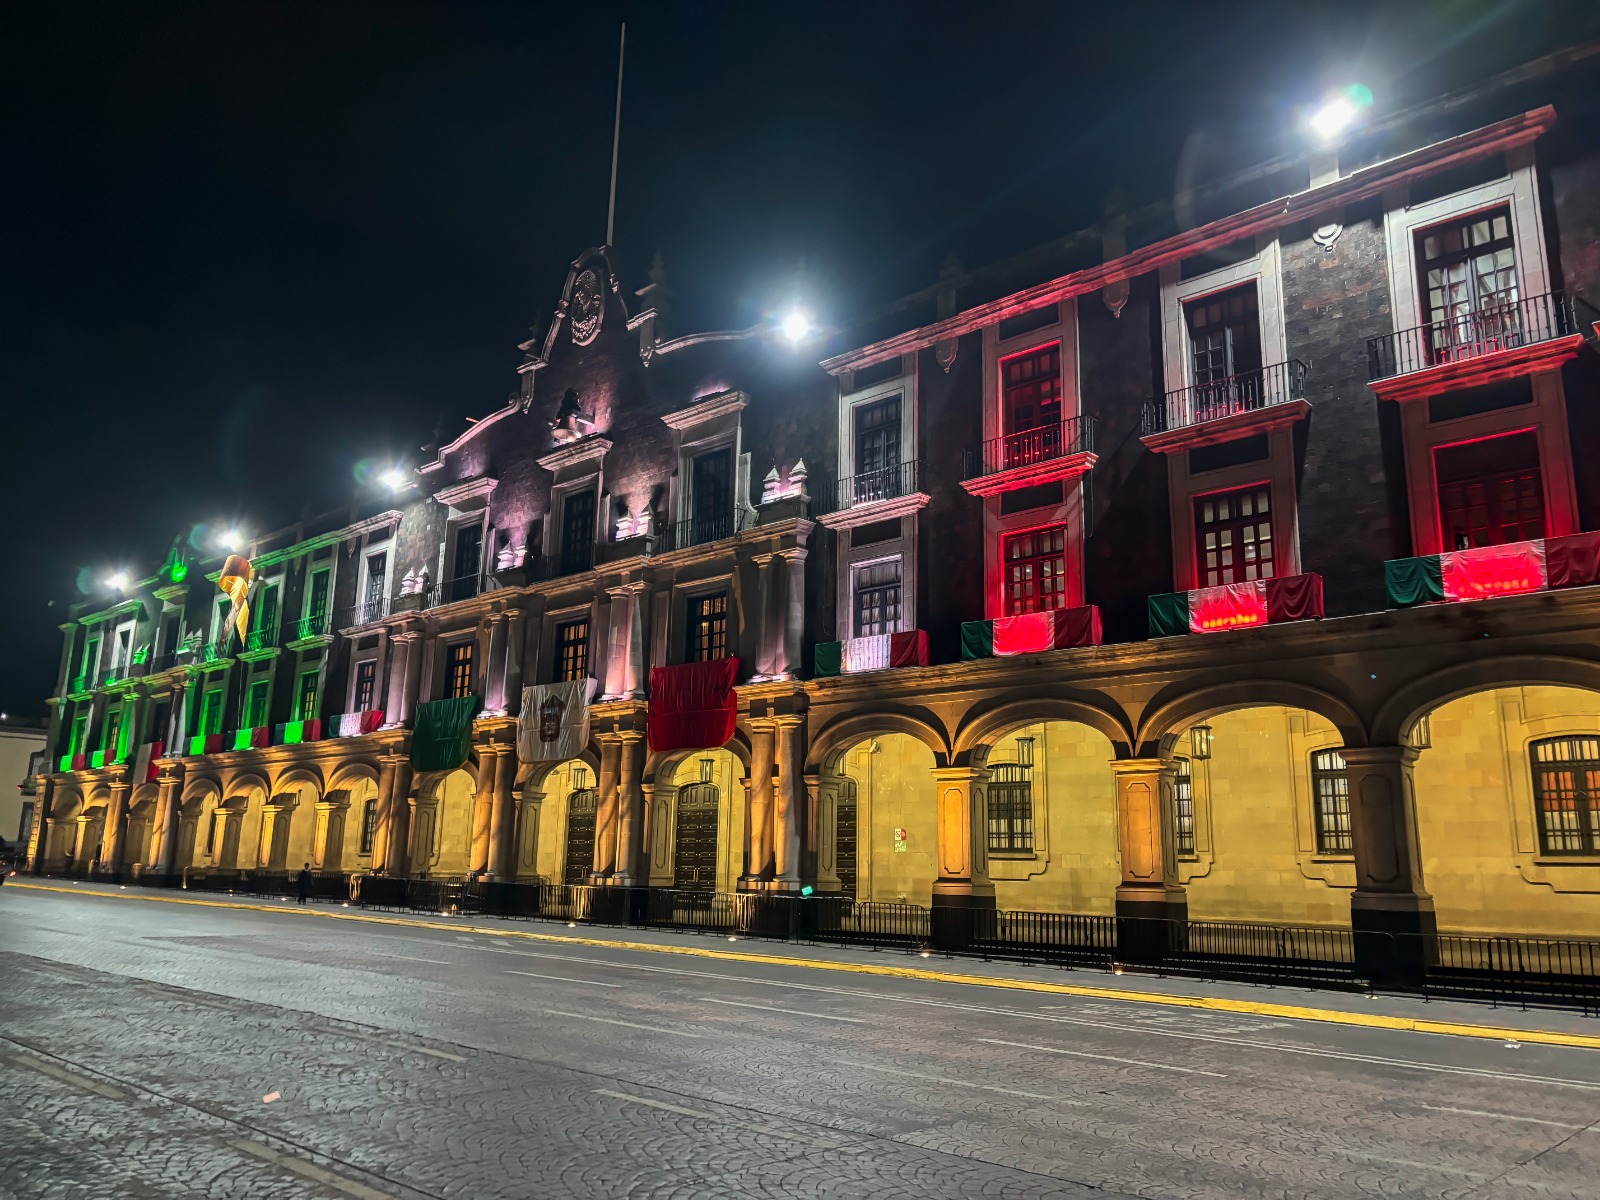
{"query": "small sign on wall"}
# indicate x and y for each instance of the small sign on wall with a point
(899, 841)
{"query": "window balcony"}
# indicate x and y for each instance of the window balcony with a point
(365, 613)
(263, 637)
(312, 625)
(699, 531)
(872, 496)
(1487, 572)
(1536, 333)
(1048, 454)
(464, 587)
(1220, 411)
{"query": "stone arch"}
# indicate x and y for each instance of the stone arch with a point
(1399, 713)
(142, 817)
(701, 845)
(979, 732)
(660, 765)
(198, 790)
(349, 774)
(533, 776)
(1163, 718)
(441, 821)
(290, 776)
(843, 732)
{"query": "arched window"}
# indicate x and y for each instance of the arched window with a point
(369, 825)
(1330, 796)
(1566, 793)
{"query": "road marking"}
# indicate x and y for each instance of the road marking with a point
(1132, 1062)
(1478, 1112)
(556, 1012)
(688, 1112)
(308, 1170)
(708, 1116)
(966, 1083)
(1408, 1162)
(564, 979)
(438, 962)
(793, 1012)
(71, 1077)
(426, 1050)
(1541, 1037)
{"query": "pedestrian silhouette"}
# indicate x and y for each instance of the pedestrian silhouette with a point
(304, 879)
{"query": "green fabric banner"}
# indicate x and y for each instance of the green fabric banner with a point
(827, 659)
(442, 735)
(1169, 614)
(977, 639)
(1413, 580)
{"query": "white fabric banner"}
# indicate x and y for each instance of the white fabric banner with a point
(554, 724)
(350, 724)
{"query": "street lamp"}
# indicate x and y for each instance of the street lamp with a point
(1200, 742)
(795, 326)
(117, 581)
(395, 478)
(230, 540)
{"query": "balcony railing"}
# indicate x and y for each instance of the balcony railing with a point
(212, 652)
(463, 587)
(364, 613)
(869, 487)
(698, 531)
(1250, 391)
(1509, 326)
(311, 625)
(263, 637)
(569, 560)
(1031, 447)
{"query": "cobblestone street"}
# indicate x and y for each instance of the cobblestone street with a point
(175, 1050)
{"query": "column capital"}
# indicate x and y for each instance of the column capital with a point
(1139, 766)
(959, 774)
(792, 554)
(1373, 756)
(785, 720)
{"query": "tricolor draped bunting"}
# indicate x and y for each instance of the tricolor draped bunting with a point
(144, 762)
(1485, 571)
(1031, 632)
(234, 583)
(1236, 605)
(692, 705)
(294, 733)
(441, 739)
(258, 737)
(354, 724)
(553, 725)
(876, 653)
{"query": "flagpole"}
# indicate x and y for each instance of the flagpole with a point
(616, 138)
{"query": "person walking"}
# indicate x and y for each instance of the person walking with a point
(304, 880)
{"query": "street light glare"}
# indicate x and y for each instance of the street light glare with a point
(1333, 118)
(394, 479)
(795, 326)
(230, 540)
(117, 580)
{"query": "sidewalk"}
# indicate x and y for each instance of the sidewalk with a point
(1380, 1010)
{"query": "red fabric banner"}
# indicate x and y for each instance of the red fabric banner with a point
(1486, 571)
(1231, 606)
(371, 719)
(1077, 627)
(909, 649)
(1572, 561)
(261, 737)
(1025, 634)
(1294, 598)
(213, 743)
(311, 731)
(692, 705)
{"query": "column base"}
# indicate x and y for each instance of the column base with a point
(960, 915)
(1396, 937)
(1151, 921)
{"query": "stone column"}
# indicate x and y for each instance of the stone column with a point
(38, 840)
(529, 807)
(1389, 896)
(624, 667)
(414, 655)
(789, 811)
(395, 813)
(792, 612)
(494, 692)
(380, 833)
(327, 846)
(760, 866)
(394, 692)
(482, 807)
(503, 817)
(111, 842)
(822, 813)
(768, 636)
(169, 785)
(1146, 822)
(605, 817)
(963, 849)
(513, 667)
(630, 809)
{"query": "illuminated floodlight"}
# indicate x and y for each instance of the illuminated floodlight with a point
(796, 326)
(1339, 112)
(395, 478)
(230, 540)
(117, 580)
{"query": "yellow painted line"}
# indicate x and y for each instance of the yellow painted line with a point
(1295, 1012)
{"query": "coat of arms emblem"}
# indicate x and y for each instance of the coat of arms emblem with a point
(550, 714)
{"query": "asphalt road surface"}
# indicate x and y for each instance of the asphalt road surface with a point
(166, 1050)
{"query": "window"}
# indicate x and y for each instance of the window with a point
(80, 734)
(1036, 571)
(113, 731)
(211, 834)
(317, 599)
(369, 826)
(377, 569)
(1566, 792)
(1468, 280)
(1183, 806)
(223, 608)
(1224, 336)
(877, 439)
(877, 598)
(265, 617)
(255, 711)
(1030, 387)
(711, 497)
(1330, 796)
(577, 531)
(1010, 809)
(1233, 536)
(465, 563)
(366, 684)
(91, 658)
(124, 652)
(211, 712)
(458, 669)
(572, 651)
(1490, 491)
(305, 702)
(171, 633)
(708, 628)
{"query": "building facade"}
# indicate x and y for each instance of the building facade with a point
(1242, 570)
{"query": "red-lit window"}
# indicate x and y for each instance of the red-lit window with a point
(1233, 536)
(1036, 571)
(1031, 389)
(1490, 492)
(1468, 272)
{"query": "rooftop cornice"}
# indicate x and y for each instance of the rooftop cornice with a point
(708, 409)
(574, 453)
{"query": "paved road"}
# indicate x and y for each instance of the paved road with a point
(164, 1050)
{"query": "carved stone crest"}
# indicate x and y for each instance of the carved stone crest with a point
(588, 307)
(550, 714)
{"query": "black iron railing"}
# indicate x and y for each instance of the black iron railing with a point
(311, 625)
(1250, 391)
(869, 487)
(361, 614)
(569, 560)
(1030, 447)
(702, 530)
(463, 587)
(262, 637)
(1490, 330)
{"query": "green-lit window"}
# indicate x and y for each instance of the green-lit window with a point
(91, 661)
(80, 733)
(222, 618)
(113, 731)
(305, 705)
(211, 712)
(255, 710)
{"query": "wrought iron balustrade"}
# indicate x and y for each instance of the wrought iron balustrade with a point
(364, 613)
(869, 487)
(463, 587)
(1031, 447)
(1470, 335)
(262, 637)
(704, 529)
(1249, 391)
(311, 625)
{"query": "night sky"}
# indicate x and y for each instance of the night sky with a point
(245, 246)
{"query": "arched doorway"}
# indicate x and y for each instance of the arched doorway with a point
(694, 841)
(695, 827)
(845, 834)
(441, 825)
(583, 801)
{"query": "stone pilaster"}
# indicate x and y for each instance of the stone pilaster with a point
(513, 662)
(788, 823)
(630, 808)
(114, 835)
(483, 807)
(1389, 896)
(169, 789)
(605, 818)
(624, 666)
(495, 684)
(963, 849)
(1146, 825)
(503, 816)
(759, 868)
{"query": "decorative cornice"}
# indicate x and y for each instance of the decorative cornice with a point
(592, 447)
(1229, 428)
(1068, 466)
(1482, 369)
(479, 488)
(878, 510)
(720, 405)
